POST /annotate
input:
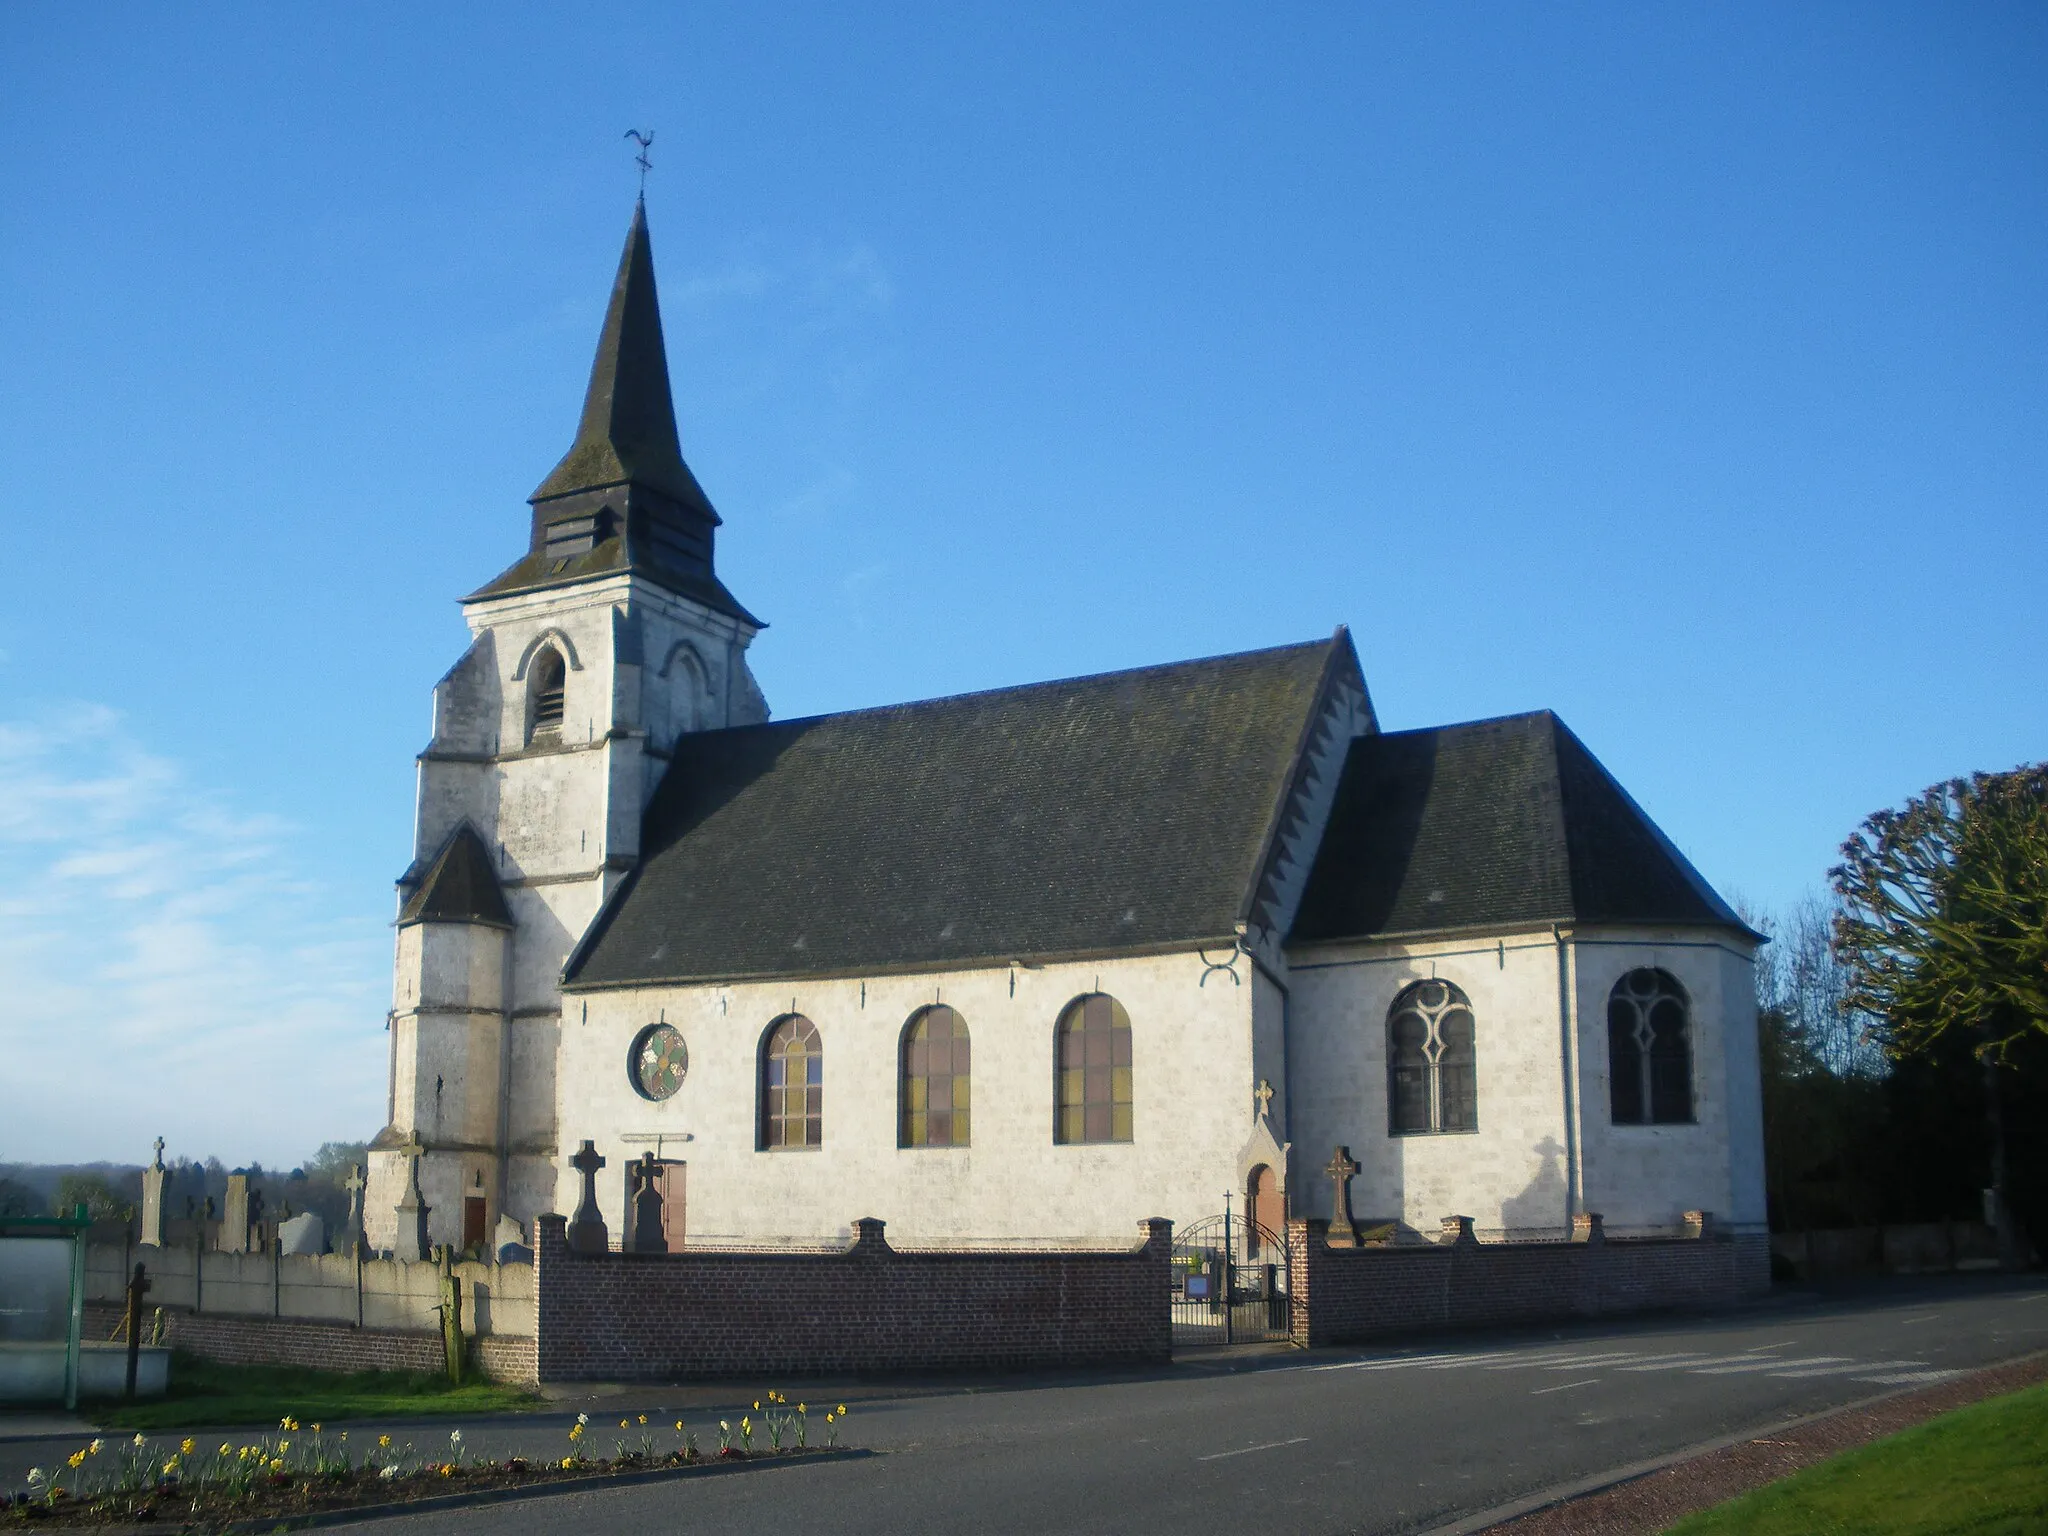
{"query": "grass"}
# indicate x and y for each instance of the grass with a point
(1981, 1470)
(205, 1393)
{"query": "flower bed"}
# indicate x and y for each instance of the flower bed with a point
(296, 1472)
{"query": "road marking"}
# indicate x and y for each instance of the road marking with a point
(1401, 1364)
(1925, 1317)
(1847, 1370)
(1767, 1365)
(1271, 1445)
(1695, 1361)
(1563, 1362)
(1911, 1378)
(1541, 1391)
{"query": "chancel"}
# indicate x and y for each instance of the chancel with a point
(1024, 965)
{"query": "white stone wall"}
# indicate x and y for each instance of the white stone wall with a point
(1193, 1073)
(1539, 1154)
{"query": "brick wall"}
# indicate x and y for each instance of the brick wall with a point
(319, 1346)
(627, 1316)
(1344, 1295)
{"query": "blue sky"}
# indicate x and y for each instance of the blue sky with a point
(1682, 369)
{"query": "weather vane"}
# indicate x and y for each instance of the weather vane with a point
(646, 142)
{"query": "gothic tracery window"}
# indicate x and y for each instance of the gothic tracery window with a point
(1432, 1063)
(935, 1086)
(792, 1084)
(1093, 1085)
(548, 680)
(1649, 1049)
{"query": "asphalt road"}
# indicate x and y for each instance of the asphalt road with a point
(1339, 1440)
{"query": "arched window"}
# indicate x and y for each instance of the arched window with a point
(1093, 1092)
(934, 1094)
(1432, 1065)
(546, 678)
(1649, 1049)
(792, 1084)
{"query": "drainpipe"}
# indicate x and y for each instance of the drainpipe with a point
(1567, 1024)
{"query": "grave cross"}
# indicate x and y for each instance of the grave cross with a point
(646, 1223)
(1341, 1169)
(352, 1232)
(158, 1161)
(586, 1232)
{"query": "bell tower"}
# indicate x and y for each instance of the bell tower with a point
(609, 638)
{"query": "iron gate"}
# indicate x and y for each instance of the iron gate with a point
(1230, 1283)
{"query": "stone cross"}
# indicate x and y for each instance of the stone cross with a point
(1264, 1094)
(352, 1227)
(648, 1236)
(1343, 1230)
(158, 1160)
(234, 1217)
(155, 1220)
(587, 1232)
(413, 1246)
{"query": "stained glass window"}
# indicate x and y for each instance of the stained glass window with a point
(1094, 1071)
(658, 1061)
(936, 1082)
(1649, 1049)
(792, 1084)
(1432, 1061)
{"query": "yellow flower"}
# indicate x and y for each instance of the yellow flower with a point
(170, 1466)
(185, 1447)
(224, 1448)
(384, 1442)
(623, 1423)
(643, 1418)
(679, 1426)
(568, 1461)
(746, 1426)
(77, 1459)
(316, 1429)
(800, 1408)
(842, 1410)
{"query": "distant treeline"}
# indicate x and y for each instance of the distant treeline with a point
(114, 1190)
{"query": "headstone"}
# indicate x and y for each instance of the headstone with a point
(511, 1242)
(155, 1220)
(234, 1216)
(648, 1236)
(586, 1233)
(352, 1225)
(304, 1233)
(412, 1246)
(1587, 1227)
(1458, 1229)
(1343, 1230)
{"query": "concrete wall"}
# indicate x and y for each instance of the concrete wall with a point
(622, 1317)
(1546, 1147)
(1193, 1076)
(1353, 1294)
(325, 1346)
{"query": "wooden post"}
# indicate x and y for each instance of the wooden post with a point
(451, 1316)
(136, 1288)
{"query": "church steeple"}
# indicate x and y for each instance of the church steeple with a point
(622, 498)
(628, 431)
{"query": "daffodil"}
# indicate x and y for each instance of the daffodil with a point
(185, 1447)
(383, 1442)
(77, 1459)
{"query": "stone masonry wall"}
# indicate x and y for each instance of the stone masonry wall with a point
(1345, 1295)
(628, 1316)
(319, 1346)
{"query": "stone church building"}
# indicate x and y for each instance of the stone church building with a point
(1027, 965)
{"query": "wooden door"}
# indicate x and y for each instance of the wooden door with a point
(1262, 1205)
(673, 1203)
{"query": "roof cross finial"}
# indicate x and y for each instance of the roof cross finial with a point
(646, 142)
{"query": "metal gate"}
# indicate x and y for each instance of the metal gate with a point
(1230, 1283)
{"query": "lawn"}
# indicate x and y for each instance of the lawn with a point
(1981, 1470)
(204, 1393)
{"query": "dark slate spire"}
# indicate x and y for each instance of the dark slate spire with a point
(628, 431)
(458, 887)
(622, 499)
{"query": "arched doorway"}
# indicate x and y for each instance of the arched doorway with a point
(1263, 1205)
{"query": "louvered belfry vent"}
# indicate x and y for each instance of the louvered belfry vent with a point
(549, 677)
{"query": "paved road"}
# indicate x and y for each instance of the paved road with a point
(1347, 1440)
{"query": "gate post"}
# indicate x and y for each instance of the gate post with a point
(1305, 1241)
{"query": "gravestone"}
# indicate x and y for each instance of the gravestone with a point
(648, 1234)
(412, 1246)
(586, 1231)
(352, 1225)
(1343, 1230)
(234, 1216)
(302, 1234)
(510, 1242)
(155, 1220)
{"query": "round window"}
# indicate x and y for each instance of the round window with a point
(657, 1061)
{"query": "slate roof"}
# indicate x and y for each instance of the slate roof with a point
(1492, 824)
(1091, 815)
(459, 886)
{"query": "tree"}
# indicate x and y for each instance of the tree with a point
(1944, 920)
(17, 1199)
(100, 1199)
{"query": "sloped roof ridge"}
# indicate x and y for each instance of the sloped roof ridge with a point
(1152, 669)
(1465, 725)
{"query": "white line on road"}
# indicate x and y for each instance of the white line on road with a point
(1695, 1362)
(1911, 1378)
(1271, 1445)
(1850, 1369)
(1925, 1317)
(1401, 1364)
(1555, 1362)
(1767, 1365)
(1541, 1391)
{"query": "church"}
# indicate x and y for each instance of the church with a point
(1017, 967)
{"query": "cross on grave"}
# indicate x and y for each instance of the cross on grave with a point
(413, 1244)
(1341, 1170)
(648, 1236)
(158, 1160)
(586, 1232)
(352, 1230)
(1264, 1094)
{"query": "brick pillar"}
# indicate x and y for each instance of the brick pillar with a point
(868, 1241)
(1458, 1231)
(1587, 1227)
(554, 1299)
(1307, 1243)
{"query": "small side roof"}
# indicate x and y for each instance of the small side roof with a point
(1095, 814)
(1492, 824)
(459, 886)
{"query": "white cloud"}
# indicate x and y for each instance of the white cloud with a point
(170, 965)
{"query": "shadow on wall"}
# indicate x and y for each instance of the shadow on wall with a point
(1539, 1210)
